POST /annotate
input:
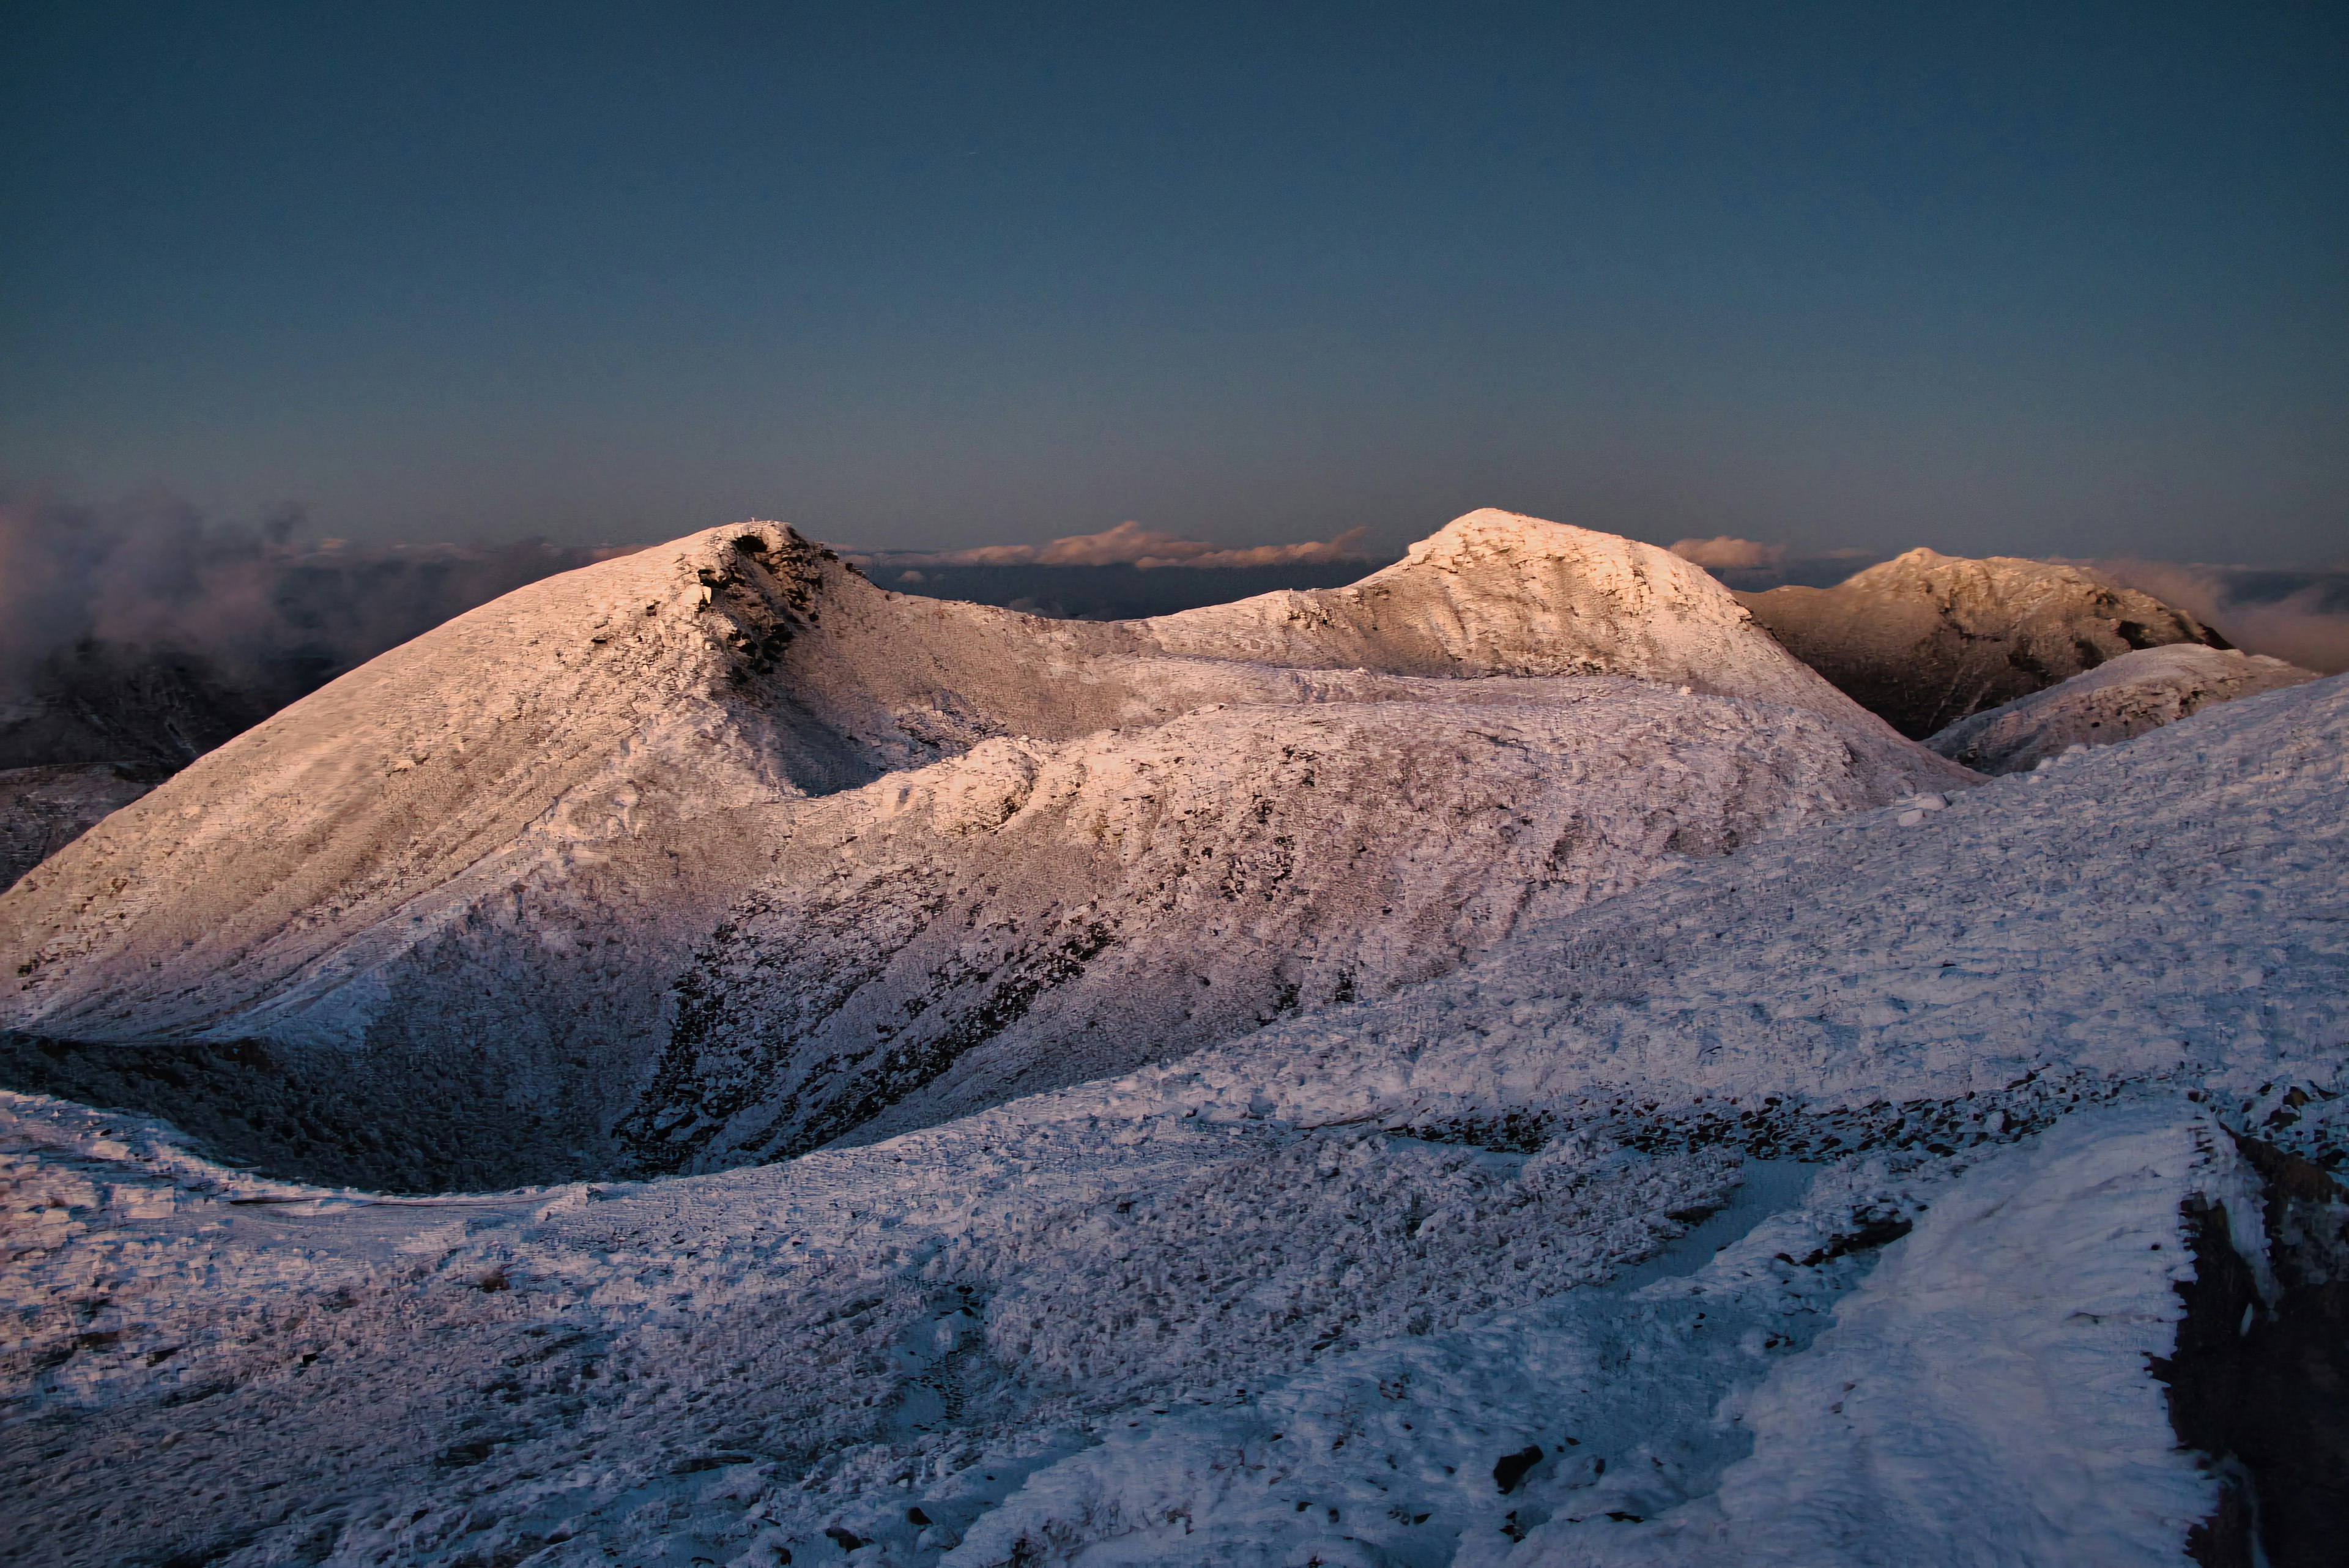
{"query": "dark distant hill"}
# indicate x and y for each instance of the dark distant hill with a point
(1119, 592)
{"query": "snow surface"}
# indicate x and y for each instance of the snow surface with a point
(2116, 701)
(1298, 1295)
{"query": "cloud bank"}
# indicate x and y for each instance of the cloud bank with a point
(147, 631)
(1725, 553)
(2299, 617)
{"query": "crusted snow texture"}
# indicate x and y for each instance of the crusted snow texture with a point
(1982, 1399)
(717, 852)
(2168, 906)
(1147, 1318)
(1925, 639)
(2006, 1337)
(2121, 698)
(44, 809)
(761, 1356)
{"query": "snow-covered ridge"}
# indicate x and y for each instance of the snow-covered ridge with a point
(2117, 700)
(519, 872)
(1501, 594)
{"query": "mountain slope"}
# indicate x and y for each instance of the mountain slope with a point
(504, 870)
(1925, 639)
(1031, 916)
(1834, 1200)
(2169, 905)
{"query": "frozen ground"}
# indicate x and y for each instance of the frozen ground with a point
(1822, 1203)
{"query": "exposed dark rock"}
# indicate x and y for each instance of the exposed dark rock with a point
(2266, 1386)
(1511, 1468)
(43, 809)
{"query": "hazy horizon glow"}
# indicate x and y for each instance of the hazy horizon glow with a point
(2023, 280)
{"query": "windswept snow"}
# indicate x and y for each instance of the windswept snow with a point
(2122, 698)
(1340, 1289)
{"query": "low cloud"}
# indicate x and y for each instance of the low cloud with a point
(1725, 553)
(2301, 617)
(254, 605)
(1131, 545)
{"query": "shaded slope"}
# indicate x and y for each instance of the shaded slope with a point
(1925, 639)
(44, 809)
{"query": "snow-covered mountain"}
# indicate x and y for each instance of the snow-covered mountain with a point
(717, 852)
(1926, 639)
(2116, 701)
(1926, 1185)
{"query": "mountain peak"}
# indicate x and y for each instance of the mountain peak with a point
(1498, 593)
(1924, 639)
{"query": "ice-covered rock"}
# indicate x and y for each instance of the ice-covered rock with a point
(1925, 639)
(2121, 698)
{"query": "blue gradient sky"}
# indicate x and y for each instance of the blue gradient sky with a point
(2039, 278)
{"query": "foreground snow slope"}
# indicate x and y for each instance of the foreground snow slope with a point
(716, 851)
(1925, 639)
(2168, 906)
(1982, 1397)
(2119, 698)
(1241, 1309)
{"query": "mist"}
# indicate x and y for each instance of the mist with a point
(147, 631)
(2301, 618)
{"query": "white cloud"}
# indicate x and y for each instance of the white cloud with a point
(1727, 554)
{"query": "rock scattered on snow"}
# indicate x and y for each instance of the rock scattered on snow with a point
(43, 809)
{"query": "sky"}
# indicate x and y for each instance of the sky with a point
(2045, 279)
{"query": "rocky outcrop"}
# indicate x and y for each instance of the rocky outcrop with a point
(1926, 639)
(2126, 697)
(716, 851)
